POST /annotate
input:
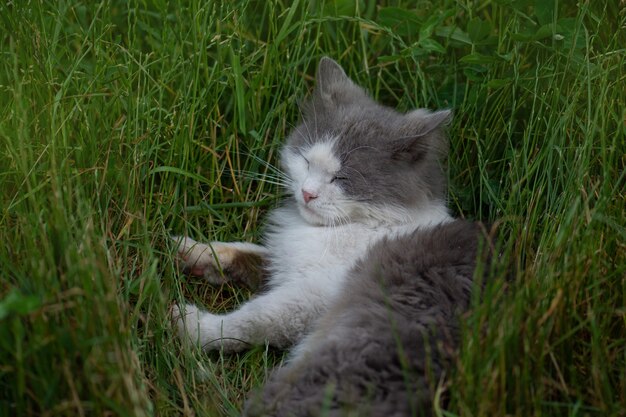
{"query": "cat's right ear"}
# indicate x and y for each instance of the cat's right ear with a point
(423, 135)
(423, 121)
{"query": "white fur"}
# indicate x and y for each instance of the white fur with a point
(313, 171)
(308, 266)
(311, 247)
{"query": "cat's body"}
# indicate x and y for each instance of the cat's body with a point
(387, 339)
(307, 266)
(359, 263)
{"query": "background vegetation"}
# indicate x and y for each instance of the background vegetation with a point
(122, 122)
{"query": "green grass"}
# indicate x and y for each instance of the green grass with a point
(121, 124)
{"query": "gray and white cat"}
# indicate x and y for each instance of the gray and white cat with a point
(364, 270)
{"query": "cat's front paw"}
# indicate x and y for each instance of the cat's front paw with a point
(194, 325)
(186, 321)
(219, 262)
(202, 260)
(199, 327)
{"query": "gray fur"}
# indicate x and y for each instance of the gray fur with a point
(388, 158)
(367, 272)
(385, 344)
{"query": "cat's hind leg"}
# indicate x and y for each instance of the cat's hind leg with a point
(220, 262)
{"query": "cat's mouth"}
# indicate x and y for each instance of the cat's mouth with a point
(312, 215)
(305, 208)
(321, 216)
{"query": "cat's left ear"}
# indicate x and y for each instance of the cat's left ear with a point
(424, 134)
(333, 87)
(329, 76)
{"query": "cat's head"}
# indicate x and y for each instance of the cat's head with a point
(353, 160)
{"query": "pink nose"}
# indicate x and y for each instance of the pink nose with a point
(308, 196)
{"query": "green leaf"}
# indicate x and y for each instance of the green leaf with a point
(401, 21)
(499, 82)
(519, 4)
(531, 35)
(340, 8)
(544, 11)
(525, 36)
(475, 73)
(453, 33)
(389, 58)
(545, 31)
(17, 303)
(478, 58)
(429, 26)
(572, 32)
(478, 29)
(431, 45)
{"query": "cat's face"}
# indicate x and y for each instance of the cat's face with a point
(353, 160)
(317, 176)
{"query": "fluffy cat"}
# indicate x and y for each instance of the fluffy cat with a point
(364, 271)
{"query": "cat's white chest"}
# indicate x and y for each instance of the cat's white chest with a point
(315, 256)
(311, 262)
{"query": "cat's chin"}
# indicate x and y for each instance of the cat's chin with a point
(312, 217)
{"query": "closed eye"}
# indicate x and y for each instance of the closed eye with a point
(303, 157)
(338, 178)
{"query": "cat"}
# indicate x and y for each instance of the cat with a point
(363, 269)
